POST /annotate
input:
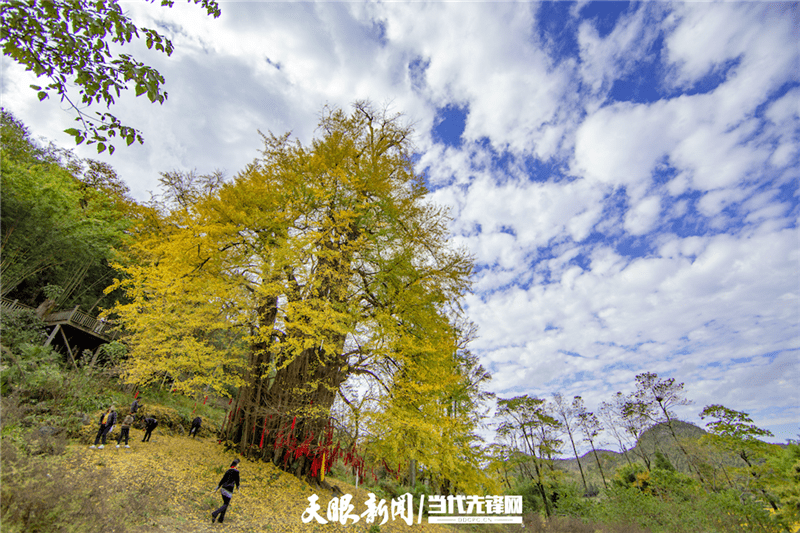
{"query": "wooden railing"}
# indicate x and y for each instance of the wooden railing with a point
(81, 319)
(75, 317)
(14, 305)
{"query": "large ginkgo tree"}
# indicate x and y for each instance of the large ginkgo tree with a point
(314, 266)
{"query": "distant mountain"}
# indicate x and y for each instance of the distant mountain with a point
(656, 438)
(659, 438)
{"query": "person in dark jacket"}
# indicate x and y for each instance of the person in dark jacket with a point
(226, 484)
(135, 407)
(107, 421)
(124, 431)
(150, 424)
(195, 426)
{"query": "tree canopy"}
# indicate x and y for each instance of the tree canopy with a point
(69, 42)
(329, 264)
(529, 427)
(63, 221)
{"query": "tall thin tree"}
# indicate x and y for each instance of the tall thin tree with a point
(567, 416)
(591, 427)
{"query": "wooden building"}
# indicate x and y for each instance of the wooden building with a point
(72, 332)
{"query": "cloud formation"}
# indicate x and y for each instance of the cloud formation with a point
(626, 177)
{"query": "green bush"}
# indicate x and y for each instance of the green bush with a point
(389, 488)
(571, 501)
(20, 326)
(662, 463)
(631, 475)
(673, 485)
(32, 371)
(531, 497)
(673, 505)
(418, 490)
(29, 368)
(782, 481)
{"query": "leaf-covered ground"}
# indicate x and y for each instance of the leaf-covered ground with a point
(184, 472)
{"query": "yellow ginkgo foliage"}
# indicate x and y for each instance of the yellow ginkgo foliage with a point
(312, 266)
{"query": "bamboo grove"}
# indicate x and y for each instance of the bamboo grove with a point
(317, 270)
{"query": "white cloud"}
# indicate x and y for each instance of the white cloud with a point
(701, 299)
(753, 34)
(622, 143)
(642, 217)
(605, 59)
(561, 299)
(484, 55)
(712, 203)
(705, 38)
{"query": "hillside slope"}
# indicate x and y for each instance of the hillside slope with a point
(182, 473)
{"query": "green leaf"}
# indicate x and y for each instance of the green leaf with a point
(101, 147)
(72, 131)
(69, 42)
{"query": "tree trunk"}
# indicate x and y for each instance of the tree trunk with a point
(575, 451)
(597, 459)
(282, 413)
(678, 442)
(540, 485)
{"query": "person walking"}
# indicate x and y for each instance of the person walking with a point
(195, 426)
(125, 429)
(150, 424)
(107, 421)
(225, 487)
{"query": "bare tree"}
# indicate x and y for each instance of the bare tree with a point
(591, 427)
(530, 428)
(611, 414)
(566, 415)
(656, 399)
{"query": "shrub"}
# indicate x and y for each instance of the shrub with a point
(673, 485)
(668, 510)
(531, 499)
(567, 524)
(570, 501)
(783, 481)
(33, 371)
(390, 488)
(632, 475)
(22, 326)
(42, 494)
(662, 463)
(418, 490)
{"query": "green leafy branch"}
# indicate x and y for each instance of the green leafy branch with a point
(67, 42)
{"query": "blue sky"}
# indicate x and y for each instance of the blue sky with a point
(625, 174)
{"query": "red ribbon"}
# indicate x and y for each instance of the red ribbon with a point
(262, 433)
